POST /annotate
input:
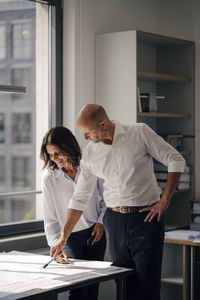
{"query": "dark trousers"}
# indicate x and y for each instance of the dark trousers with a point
(134, 243)
(77, 247)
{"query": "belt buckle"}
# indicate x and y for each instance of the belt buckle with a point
(124, 212)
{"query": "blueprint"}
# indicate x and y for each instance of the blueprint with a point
(22, 272)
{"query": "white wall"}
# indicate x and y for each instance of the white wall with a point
(84, 18)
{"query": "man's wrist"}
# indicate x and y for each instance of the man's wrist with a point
(63, 238)
(165, 199)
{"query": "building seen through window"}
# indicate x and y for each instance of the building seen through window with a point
(2, 176)
(22, 41)
(2, 41)
(2, 128)
(21, 128)
(21, 172)
(17, 111)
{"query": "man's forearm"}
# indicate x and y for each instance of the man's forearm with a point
(172, 183)
(73, 215)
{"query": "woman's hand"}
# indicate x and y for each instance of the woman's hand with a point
(97, 232)
(62, 258)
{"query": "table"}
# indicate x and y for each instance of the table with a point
(22, 276)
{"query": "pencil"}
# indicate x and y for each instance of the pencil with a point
(48, 263)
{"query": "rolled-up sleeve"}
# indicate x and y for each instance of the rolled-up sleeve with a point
(85, 185)
(51, 224)
(161, 150)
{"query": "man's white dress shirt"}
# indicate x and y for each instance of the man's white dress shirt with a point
(57, 190)
(126, 167)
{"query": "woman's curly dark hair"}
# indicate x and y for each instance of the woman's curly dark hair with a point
(64, 139)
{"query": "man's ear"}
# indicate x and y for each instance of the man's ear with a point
(103, 124)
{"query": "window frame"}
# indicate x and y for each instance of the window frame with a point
(55, 106)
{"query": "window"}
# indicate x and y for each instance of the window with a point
(17, 208)
(23, 77)
(2, 42)
(2, 128)
(32, 58)
(23, 208)
(23, 40)
(21, 128)
(2, 177)
(21, 172)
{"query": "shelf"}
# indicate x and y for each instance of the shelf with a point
(154, 39)
(185, 153)
(183, 191)
(163, 115)
(173, 280)
(162, 77)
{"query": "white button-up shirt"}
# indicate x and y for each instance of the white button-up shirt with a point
(57, 190)
(126, 167)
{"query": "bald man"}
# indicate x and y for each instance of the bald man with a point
(123, 155)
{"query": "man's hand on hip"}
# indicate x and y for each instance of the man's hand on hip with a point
(157, 209)
(160, 207)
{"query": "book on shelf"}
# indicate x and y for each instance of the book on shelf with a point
(195, 217)
(196, 207)
(144, 100)
(153, 106)
(175, 139)
(185, 177)
(195, 226)
(158, 167)
(148, 102)
(181, 185)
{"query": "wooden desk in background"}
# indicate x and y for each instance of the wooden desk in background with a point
(187, 279)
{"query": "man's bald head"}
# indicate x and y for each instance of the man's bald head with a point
(92, 113)
(95, 125)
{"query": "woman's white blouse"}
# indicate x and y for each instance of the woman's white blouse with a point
(57, 190)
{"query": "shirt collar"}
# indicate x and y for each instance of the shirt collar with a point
(59, 172)
(119, 129)
(69, 178)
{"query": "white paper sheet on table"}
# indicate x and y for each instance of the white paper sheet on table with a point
(20, 271)
(183, 234)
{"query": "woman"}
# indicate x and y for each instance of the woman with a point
(61, 155)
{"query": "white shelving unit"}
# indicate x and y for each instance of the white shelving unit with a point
(157, 64)
(175, 279)
(166, 66)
